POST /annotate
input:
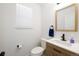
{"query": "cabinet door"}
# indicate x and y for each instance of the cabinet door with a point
(51, 51)
(48, 51)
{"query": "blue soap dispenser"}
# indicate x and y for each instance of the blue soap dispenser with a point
(51, 31)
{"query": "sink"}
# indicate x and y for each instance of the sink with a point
(59, 41)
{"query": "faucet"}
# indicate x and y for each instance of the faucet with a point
(63, 37)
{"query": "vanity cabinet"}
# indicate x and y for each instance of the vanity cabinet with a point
(53, 50)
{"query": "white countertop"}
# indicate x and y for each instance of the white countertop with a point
(64, 44)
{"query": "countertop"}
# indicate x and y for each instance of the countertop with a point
(63, 44)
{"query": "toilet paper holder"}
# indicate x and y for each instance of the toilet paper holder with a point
(19, 46)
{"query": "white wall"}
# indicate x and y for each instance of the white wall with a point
(1, 34)
(62, 5)
(29, 38)
(49, 18)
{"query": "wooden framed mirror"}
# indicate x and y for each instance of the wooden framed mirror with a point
(66, 19)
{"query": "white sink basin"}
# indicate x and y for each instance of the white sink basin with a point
(61, 42)
(66, 43)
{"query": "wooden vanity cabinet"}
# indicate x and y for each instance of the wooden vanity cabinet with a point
(53, 50)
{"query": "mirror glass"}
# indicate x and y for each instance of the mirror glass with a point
(66, 18)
